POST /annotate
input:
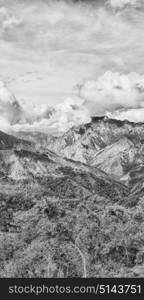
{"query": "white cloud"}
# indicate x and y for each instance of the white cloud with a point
(71, 41)
(3, 12)
(113, 91)
(116, 95)
(11, 23)
(10, 109)
(24, 115)
(119, 4)
(133, 115)
(8, 21)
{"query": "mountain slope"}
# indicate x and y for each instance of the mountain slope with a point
(65, 218)
(10, 142)
(61, 176)
(112, 145)
(117, 159)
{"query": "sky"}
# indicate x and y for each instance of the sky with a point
(48, 48)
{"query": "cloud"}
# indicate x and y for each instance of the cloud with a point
(132, 115)
(70, 113)
(10, 109)
(120, 4)
(8, 21)
(11, 23)
(71, 40)
(113, 91)
(67, 41)
(113, 94)
(116, 95)
(22, 115)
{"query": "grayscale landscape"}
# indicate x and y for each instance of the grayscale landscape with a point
(71, 138)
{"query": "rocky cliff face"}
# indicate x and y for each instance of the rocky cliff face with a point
(111, 145)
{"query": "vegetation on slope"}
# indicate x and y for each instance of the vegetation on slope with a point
(60, 218)
(49, 237)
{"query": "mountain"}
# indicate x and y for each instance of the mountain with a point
(65, 213)
(10, 142)
(41, 140)
(59, 173)
(114, 146)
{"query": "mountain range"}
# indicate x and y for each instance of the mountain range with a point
(72, 205)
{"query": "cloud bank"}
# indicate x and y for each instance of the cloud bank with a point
(120, 4)
(47, 46)
(116, 95)
(21, 115)
(113, 91)
(133, 115)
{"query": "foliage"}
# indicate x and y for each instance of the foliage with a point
(46, 236)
